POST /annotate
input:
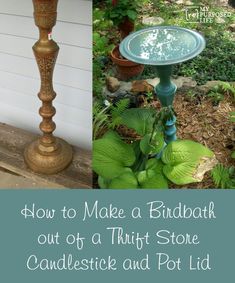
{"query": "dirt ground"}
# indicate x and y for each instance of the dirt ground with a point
(199, 120)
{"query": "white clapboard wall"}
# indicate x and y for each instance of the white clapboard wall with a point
(19, 75)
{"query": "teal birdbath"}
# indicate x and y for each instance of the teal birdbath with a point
(163, 47)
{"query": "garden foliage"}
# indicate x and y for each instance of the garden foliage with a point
(135, 165)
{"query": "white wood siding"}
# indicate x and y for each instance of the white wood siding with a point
(19, 75)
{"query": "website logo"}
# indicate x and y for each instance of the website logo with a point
(202, 14)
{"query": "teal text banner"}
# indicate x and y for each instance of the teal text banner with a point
(117, 236)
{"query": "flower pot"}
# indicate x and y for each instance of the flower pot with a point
(126, 69)
(126, 27)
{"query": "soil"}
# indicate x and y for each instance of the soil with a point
(199, 120)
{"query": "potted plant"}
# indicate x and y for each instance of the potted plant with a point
(123, 14)
(126, 69)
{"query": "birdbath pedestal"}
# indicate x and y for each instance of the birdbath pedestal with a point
(163, 47)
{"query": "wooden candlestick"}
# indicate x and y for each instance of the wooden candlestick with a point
(48, 154)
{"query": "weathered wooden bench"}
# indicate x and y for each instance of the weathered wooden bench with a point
(12, 144)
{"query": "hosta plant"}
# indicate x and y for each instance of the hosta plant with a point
(147, 162)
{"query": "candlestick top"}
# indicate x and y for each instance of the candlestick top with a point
(45, 13)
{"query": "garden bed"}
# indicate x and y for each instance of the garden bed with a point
(199, 120)
(202, 116)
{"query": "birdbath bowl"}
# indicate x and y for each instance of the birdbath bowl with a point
(163, 47)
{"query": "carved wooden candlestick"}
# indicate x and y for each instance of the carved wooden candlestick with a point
(48, 154)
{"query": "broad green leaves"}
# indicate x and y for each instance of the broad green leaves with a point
(113, 159)
(122, 165)
(152, 144)
(126, 180)
(139, 119)
(111, 156)
(187, 161)
(181, 174)
(147, 179)
(142, 121)
(150, 179)
(184, 150)
(182, 162)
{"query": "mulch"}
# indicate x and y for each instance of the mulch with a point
(199, 120)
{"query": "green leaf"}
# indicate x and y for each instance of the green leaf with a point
(184, 150)
(220, 176)
(131, 14)
(139, 119)
(103, 183)
(112, 135)
(149, 179)
(99, 43)
(233, 154)
(187, 161)
(157, 142)
(125, 181)
(152, 144)
(223, 177)
(145, 144)
(181, 174)
(155, 164)
(232, 116)
(111, 156)
(117, 110)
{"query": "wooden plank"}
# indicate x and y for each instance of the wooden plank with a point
(68, 56)
(12, 180)
(62, 75)
(63, 112)
(75, 134)
(80, 99)
(63, 33)
(76, 11)
(13, 142)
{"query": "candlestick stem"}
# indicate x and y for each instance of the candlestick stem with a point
(48, 154)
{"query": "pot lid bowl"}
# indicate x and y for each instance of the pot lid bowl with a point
(162, 45)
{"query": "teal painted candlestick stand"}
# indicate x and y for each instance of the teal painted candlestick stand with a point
(163, 46)
(165, 91)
